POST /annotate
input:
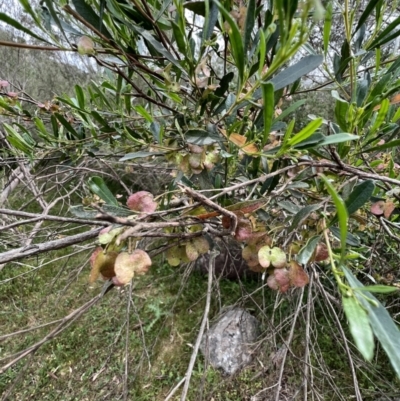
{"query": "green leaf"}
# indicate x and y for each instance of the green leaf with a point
(290, 109)
(99, 187)
(67, 125)
(179, 37)
(211, 19)
(341, 108)
(80, 96)
(249, 24)
(379, 289)
(308, 249)
(359, 326)
(366, 13)
(296, 71)
(201, 137)
(389, 145)
(380, 118)
(88, 14)
(351, 239)
(17, 141)
(305, 132)
(386, 35)
(143, 112)
(158, 46)
(327, 27)
(268, 109)
(360, 196)
(235, 40)
(302, 215)
(382, 324)
(15, 24)
(338, 138)
(341, 211)
(54, 16)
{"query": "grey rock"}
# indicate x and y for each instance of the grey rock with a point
(228, 344)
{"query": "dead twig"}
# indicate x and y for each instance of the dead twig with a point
(188, 375)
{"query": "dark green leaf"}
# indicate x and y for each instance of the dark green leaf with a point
(235, 40)
(382, 324)
(386, 35)
(80, 96)
(67, 125)
(88, 14)
(360, 196)
(99, 187)
(179, 37)
(249, 24)
(268, 109)
(366, 13)
(15, 24)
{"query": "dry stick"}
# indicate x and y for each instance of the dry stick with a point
(35, 249)
(287, 344)
(346, 346)
(128, 310)
(188, 375)
(65, 323)
(307, 350)
(173, 391)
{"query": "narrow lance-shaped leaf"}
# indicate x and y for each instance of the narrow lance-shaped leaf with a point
(358, 198)
(88, 14)
(235, 40)
(366, 13)
(341, 211)
(305, 132)
(15, 24)
(99, 187)
(327, 27)
(382, 324)
(296, 71)
(249, 24)
(268, 109)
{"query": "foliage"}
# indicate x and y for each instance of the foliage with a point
(212, 109)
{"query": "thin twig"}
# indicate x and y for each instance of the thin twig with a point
(188, 375)
(287, 344)
(307, 334)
